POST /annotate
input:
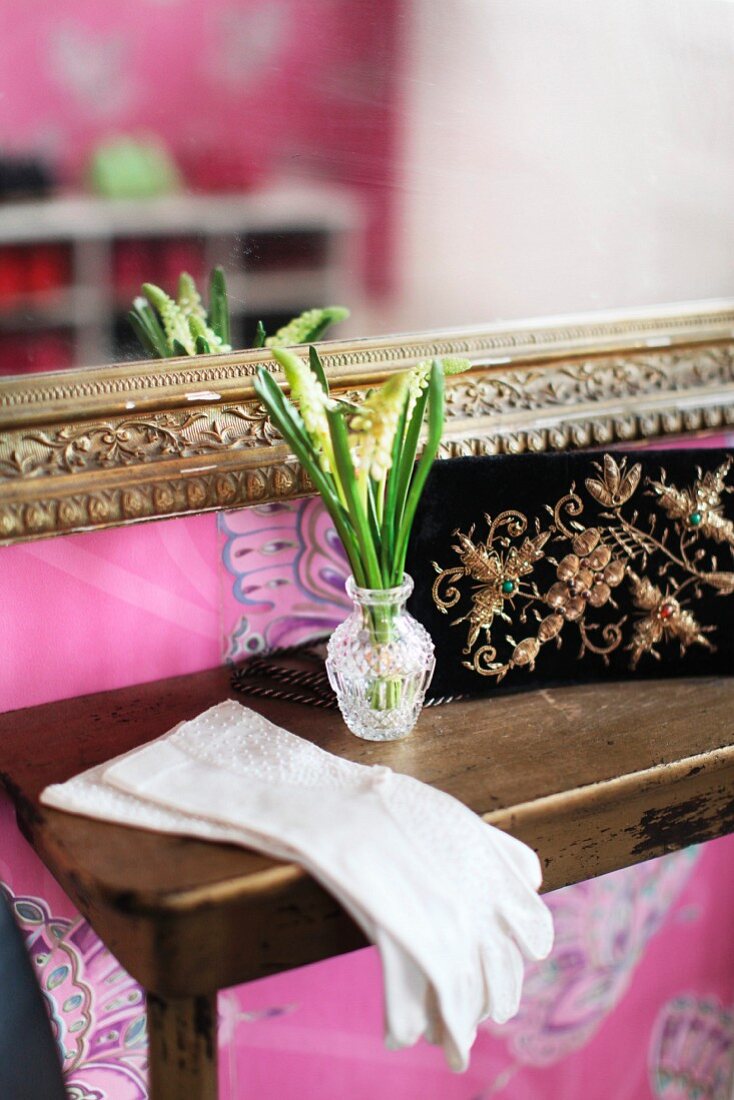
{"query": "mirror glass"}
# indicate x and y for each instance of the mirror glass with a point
(429, 165)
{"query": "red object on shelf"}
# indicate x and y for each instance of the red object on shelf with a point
(11, 273)
(31, 352)
(47, 267)
(27, 271)
(52, 351)
(157, 260)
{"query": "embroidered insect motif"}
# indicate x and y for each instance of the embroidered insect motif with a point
(499, 576)
(698, 509)
(663, 619)
(510, 583)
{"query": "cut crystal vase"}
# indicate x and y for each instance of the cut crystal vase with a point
(380, 662)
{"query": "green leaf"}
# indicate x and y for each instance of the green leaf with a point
(406, 462)
(142, 334)
(275, 400)
(393, 480)
(307, 327)
(219, 305)
(331, 315)
(205, 339)
(289, 424)
(294, 430)
(345, 471)
(318, 368)
(155, 337)
(435, 394)
(455, 366)
(260, 335)
(157, 297)
(178, 348)
(373, 517)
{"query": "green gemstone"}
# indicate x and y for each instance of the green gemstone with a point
(695, 518)
(508, 586)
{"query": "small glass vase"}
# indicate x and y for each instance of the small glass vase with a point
(380, 662)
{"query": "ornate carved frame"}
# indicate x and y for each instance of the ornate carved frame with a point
(119, 444)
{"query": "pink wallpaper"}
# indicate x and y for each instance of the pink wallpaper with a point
(92, 612)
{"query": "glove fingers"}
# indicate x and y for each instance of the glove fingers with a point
(524, 913)
(405, 989)
(455, 1049)
(523, 858)
(502, 968)
(529, 924)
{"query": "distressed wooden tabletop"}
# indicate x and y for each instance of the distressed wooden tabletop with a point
(594, 777)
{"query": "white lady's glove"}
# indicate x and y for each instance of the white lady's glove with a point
(450, 901)
(88, 794)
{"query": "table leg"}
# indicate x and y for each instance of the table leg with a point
(182, 1048)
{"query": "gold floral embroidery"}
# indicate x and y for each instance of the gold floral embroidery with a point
(506, 574)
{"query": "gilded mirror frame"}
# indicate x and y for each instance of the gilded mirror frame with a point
(102, 447)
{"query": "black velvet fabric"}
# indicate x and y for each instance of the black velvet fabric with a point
(632, 576)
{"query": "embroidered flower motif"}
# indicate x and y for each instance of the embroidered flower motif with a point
(664, 619)
(617, 484)
(587, 575)
(699, 507)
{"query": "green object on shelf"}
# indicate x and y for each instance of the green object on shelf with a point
(130, 168)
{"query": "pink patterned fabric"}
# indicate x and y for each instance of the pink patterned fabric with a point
(635, 1001)
(97, 1011)
(287, 572)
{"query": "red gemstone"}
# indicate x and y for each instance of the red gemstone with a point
(666, 610)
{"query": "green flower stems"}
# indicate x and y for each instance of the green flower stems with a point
(362, 461)
(362, 458)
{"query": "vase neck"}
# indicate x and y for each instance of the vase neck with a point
(369, 599)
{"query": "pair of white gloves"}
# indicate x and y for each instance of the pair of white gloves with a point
(450, 902)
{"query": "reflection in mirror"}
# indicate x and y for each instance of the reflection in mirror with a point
(428, 165)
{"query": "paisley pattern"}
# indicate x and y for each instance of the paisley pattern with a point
(97, 1011)
(287, 571)
(602, 930)
(691, 1050)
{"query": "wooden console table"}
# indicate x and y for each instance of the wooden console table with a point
(594, 777)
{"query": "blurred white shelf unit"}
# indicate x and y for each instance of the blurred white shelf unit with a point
(284, 249)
